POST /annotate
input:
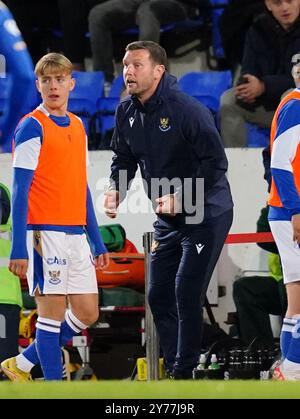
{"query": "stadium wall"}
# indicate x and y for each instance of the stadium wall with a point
(249, 191)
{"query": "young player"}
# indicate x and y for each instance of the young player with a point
(52, 214)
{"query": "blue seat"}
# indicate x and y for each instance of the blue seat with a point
(206, 86)
(83, 99)
(182, 31)
(217, 8)
(106, 109)
(256, 136)
(117, 86)
(106, 106)
(180, 26)
(215, 55)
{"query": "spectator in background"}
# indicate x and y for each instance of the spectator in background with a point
(18, 65)
(74, 24)
(115, 15)
(236, 19)
(266, 71)
(68, 18)
(37, 20)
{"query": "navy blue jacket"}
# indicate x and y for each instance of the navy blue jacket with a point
(267, 55)
(171, 136)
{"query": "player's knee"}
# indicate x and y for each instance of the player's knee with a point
(89, 317)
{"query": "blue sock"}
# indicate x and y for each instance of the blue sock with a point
(31, 353)
(286, 334)
(69, 328)
(293, 353)
(48, 349)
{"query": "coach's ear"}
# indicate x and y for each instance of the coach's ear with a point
(159, 70)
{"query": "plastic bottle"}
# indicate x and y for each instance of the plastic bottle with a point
(202, 361)
(214, 363)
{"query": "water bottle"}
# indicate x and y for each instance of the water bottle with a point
(202, 361)
(214, 363)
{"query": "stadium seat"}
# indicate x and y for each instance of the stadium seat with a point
(179, 37)
(83, 99)
(106, 107)
(182, 25)
(217, 53)
(117, 86)
(256, 136)
(207, 86)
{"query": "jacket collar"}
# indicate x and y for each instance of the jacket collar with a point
(167, 83)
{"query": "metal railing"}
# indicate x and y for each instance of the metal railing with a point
(152, 342)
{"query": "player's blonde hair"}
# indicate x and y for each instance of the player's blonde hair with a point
(53, 63)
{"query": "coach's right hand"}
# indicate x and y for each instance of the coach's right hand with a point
(111, 203)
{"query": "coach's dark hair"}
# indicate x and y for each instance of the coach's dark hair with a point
(157, 53)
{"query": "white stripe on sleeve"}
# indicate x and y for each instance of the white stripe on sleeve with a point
(26, 155)
(285, 148)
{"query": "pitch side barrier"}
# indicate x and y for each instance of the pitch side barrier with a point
(152, 342)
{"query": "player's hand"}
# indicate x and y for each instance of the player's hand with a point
(18, 267)
(111, 203)
(101, 262)
(296, 228)
(168, 204)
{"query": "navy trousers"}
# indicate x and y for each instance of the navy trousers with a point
(182, 263)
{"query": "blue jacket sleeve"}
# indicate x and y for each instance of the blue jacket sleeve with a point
(201, 132)
(92, 229)
(21, 185)
(123, 162)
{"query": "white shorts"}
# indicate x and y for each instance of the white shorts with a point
(289, 250)
(60, 263)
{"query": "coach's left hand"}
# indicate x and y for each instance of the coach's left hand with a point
(168, 204)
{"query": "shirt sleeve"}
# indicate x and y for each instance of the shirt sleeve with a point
(21, 185)
(92, 229)
(284, 150)
(28, 140)
(123, 162)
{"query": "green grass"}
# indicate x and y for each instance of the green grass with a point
(151, 390)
